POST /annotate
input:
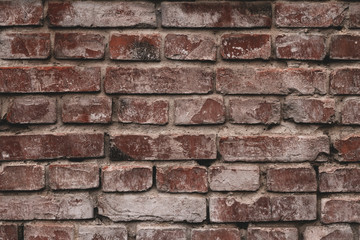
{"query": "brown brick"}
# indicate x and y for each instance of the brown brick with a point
(350, 112)
(339, 179)
(8, 231)
(161, 233)
(22, 177)
(48, 231)
(100, 232)
(354, 19)
(348, 148)
(331, 232)
(216, 234)
(190, 47)
(345, 81)
(21, 13)
(245, 46)
(346, 47)
(340, 209)
(275, 233)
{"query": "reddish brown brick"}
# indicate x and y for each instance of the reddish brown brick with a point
(273, 148)
(47, 231)
(25, 45)
(348, 148)
(181, 179)
(22, 177)
(345, 81)
(22, 12)
(309, 14)
(128, 178)
(162, 147)
(161, 233)
(350, 112)
(266, 233)
(215, 234)
(86, 109)
(100, 14)
(143, 111)
(215, 15)
(51, 146)
(100, 232)
(158, 80)
(245, 46)
(354, 10)
(31, 109)
(339, 179)
(8, 232)
(300, 47)
(140, 47)
(346, 47)
(330, 232)
(340, 209)
(190, 47)
(193, 111)
(79, 46)
(49, 79)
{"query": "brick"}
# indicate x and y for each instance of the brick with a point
(309, 110)
(216, 234)
(143, 111)
(163, 80)
(271, 81)
(215, 15)
(234, 177)
(79, 46)
(139, 47)
(22, 177)
(245, 46)
(194, 111)
(49, 79)
(263, 209)
(100, 232)
(21, 13)
(30, 109)
(273, 148)
(152, 208)
(86, 109)
(309, 14)
(345, 81)
(25, 45)
(275, 233)
(348, 148)
(161, 233)
(339, 179)
(128, 178)
(346, 47)
(30, 207)
(102, 14)
(181, 179)
(73, 176)
(300, 47)
(331, 232)
(8, 231)
(254, 110)
(48, 231)
(354, 12)
(163, 147)
(340, 209)
(291, 179)
(51, 146)
(190, 47)
(350, 111)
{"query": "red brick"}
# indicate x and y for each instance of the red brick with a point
(354, 19)
(30, 207)
(158, 80)
(350, 111)
(245, 46)
(161, 233)
(340, 209)
(271, 81)
(309, 110)
(73, 176)
(102, 232)
(100, 14)
(190, 47)
(8, 231)
(215, 234)
(339, 179)
(267, 233)
(79, 46)
(51, 146)
(48, 231)
(348, 148)
(181, 179)
(86, 109)
(193, 111)
(309, 14)
(31, 109)
(139, 47)
(291, 179)
(23, 12)
(263, 209)
(331, 232)
(300, 47)
(163, 147)
(215, 15)
(143, 111)
(128, 178)
(273, 148)
(25, 45)
(160, 208)
(49, 79)
(346, 47)
(234, 177)
(345, 81)
(22, 177)
(254, 110)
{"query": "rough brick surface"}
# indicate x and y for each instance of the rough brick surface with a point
(354, 10)
(49, 231)
(215, 233)
(331, 232)
(345, 81)
(21, 13)
(339, 179)
(340, 209)
(266, 233)
(350, 112)
(116, 232)
(9, 232)
(345, 47)
(161, 233)
(348, 148)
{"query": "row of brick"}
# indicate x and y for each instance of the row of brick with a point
(180, 15)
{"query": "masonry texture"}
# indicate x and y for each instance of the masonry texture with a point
(179, 120)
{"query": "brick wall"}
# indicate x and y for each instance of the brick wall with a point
(179, 120)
